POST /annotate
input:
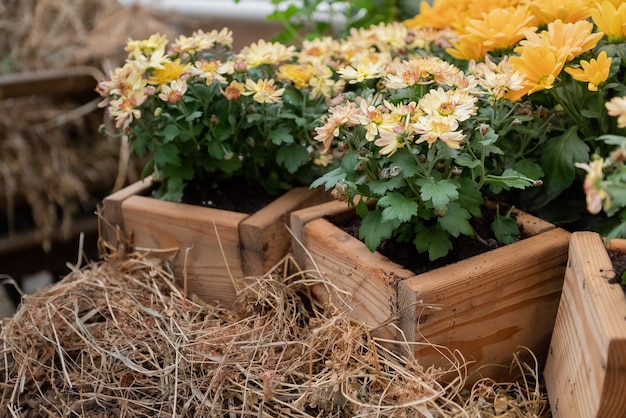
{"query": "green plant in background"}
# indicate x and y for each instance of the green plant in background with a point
(201, 111)
(306, 19)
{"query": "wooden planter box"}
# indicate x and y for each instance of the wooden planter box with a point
(586, 367)
(485, 306)
(211, 249)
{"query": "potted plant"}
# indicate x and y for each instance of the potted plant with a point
(425, 144)
(213, 122)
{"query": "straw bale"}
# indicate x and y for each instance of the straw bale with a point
(119, 338)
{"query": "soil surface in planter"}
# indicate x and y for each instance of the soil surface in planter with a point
(232, 194)
(619, 266)
(405, 254)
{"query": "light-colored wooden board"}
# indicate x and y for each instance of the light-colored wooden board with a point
(488, 305)
(265, 236)
(205, 241)
(586, 367)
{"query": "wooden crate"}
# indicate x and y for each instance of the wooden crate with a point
(586, 367)
(211, 249)
(485, 306)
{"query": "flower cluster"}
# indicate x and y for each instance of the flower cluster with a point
(421, 139)
(572, 56)
(199, 110)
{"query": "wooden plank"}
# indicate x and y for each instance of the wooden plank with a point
(111, 209)
(54, 81)
(202, 243)
(488, 305)
(586, 367)
(362, 280)
(264, 235)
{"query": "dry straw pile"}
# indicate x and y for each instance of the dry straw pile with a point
(119, 338)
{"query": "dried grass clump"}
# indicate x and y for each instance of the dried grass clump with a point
(118, 338)
(54, 162)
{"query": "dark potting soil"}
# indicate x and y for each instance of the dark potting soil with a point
(618, 260)
(233, 194)
(405, 254)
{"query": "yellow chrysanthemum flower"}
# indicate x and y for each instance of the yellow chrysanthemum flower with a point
(500, 28)
(146, 46)
(570, 39)
(466, 49)
(566, 10)
(594, 71)
(440, 15)
(170, 71)
(539, 65)
(296, 74)
(611, 20)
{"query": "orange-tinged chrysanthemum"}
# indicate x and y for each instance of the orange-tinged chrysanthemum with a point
(594, 71)
(571, 39)
(611, 20)
(170, 71)
(441, 15)
(539, 65)
(500, 28)
(566, 10)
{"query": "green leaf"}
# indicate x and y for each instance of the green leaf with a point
(397, 207)
(529, 169)
(281, 136)
(558, 158)
(167, 155)
(292, 157)
(434, 240)
(380, 187)
(439, 193)
(406, 162)
(456, 221)
(470, 197)
(505, 229)
(193, 116)
(466, 160)
(169, 133)
(330, 179)
(374, 230)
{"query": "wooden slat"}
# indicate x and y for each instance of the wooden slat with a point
(49, 82)
(586, 368)
(203, 243)
(112, 208)
(264, 235)
(488, 305)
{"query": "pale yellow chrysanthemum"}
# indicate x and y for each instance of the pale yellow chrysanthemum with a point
(262, 52)
(611, 20)
(201, 41)
(173, 92)
(361, 72)
(318, 50)
(148, 60)
(571, 39)
(155, 42)
(596, 196)
(539, 65)
(433, 128)
(263, 91)
(570, 11)
(500, 28)
(617, 107)
(391, 139)
(322, 82)
(170, 71)
(499, 79)
(373, 117)
(212, 71)
(594, 72)
(132, 94)
(448, 104)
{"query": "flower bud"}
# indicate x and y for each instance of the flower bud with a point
(484, 129)
(441, 212)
